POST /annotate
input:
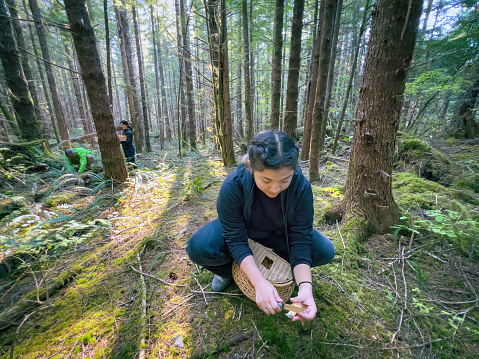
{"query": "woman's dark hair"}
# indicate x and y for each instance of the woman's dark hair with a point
(126, 124)
(272, 150)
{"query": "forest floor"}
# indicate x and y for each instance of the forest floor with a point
(120, 285)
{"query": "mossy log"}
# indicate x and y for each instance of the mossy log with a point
(84, 137)
(223, 346)
(12, 315)
(41, 142)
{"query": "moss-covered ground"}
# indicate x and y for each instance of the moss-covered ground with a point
(129, 290)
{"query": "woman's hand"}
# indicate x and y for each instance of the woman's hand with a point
(305, 298)
(267, 297)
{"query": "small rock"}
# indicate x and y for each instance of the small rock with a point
(179, 342)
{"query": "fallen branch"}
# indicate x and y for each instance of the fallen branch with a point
(238, 338)
(12, 348)
(143, 317)
(201, 288)
(176, 307)
(152, 276)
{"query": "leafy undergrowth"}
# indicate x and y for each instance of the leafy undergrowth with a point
(130, 289)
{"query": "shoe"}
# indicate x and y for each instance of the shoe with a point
(220, 283)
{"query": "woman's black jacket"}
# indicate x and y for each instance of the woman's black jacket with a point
(234, 210)
(129, 139)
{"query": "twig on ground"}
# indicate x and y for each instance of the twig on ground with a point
(201, 288)
(343, 344)
(405, 297)
(143, 308)
(152, 276)
(399, 326)
(220, 293)
(176, 307)
(12, 348)
(339, 230)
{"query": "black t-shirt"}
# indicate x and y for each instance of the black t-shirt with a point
(266, 224)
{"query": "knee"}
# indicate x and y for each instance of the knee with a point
(194, 248)
(323, 251)
(329, 252)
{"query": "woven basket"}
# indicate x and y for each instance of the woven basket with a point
(272, 267)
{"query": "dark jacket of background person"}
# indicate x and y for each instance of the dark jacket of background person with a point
(234, 211)
(129, 139)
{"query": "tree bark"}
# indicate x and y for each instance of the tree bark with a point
(76, 88)
(247, 79)
(351, 76)
(108, 53)
(324, 59)
(25, 62)
(15, 79)
(308, 121)
(464, 116)
(57, 104)
(42, 75)
(188, 76)
(157, 82)
(129, 73)
(332, 63)
(146, 126)
(166, 117)
(291, 117)
(216, 20)
(276, 69)
(85, 44)
(368, 198)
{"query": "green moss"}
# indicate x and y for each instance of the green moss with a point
(471, 182)
(417, 156)
(410, 191)
(59, 198)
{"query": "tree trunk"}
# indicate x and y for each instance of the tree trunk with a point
(166, 117)
(216, 20)
(157, 81)
(324, 59)
(117, 94)
(291, 117)
(181, 97)
(276, 68)
(57, 105)
(146, 126)
(25, 63)
(188, 76)
(247, 80)
(10, 119)
(351, 76)
(76, 88)
(108, 52)
(464, 116)
(308, 121)
(42, 75)
(334, 47)
(129, 73)
(368, 199)
(15, 79)
(85, 44)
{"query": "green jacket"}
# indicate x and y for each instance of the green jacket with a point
(79, 159)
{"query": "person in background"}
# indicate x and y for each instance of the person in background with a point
(268, 200)
(127, 144)
(78, 156)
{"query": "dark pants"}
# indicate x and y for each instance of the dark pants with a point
(207, 248)
(130, 155)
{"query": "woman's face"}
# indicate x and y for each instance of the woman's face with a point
(123, 126)
(272, 182)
